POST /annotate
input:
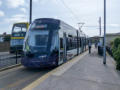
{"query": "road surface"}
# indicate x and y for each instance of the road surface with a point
(18, 78)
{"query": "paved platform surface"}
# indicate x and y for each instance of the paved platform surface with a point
(88, 73)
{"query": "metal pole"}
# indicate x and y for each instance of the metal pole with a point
(30, 16)
(16, 55)
(80, 26)
(81, 32)
(77, 43)
(100, 25)
(104, 59)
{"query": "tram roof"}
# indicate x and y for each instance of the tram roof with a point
(54, 21)
(59, 23)
(21, 23)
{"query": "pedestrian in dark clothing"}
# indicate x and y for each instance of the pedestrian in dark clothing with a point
(89, 46)
(95, 44)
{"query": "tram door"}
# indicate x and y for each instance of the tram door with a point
(77, 42)
(62, 53)
(64, 47)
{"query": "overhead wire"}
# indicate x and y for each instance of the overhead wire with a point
(69, 9)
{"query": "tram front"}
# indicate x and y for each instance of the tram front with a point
(41, 44)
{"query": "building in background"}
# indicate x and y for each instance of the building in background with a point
(4, 42)
(1, 38)
(95, 39)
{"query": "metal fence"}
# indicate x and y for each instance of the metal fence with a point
(7, 59)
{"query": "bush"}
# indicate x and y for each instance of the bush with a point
(118, 58)
(116, 52)
(7, 38)
(116, 42)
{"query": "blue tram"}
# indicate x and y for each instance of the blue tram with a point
(51, 42)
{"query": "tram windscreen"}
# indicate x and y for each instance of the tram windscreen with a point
(38, 40)
(41, 40)
(19, 30)
(16, 31)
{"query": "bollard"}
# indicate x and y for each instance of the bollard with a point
(16, 56)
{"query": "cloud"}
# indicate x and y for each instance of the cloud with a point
(16, 18)
(35, 0)
(42, 2)
(15, 3)
(114, 25)
(1, 14)
(0, 2)
(23, 10)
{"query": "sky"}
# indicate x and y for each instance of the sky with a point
(70, 11)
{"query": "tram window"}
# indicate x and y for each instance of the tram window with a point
(61, 42)
(69, 35)
(75, 42)
(70, 42)
(16, 34)
(16, 29)
(80, 42)
(24, 29)
(67, 44)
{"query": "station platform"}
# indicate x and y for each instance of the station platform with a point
(84, 72)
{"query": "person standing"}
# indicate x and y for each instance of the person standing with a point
(95, 44)
(89, 46)
(99, 48)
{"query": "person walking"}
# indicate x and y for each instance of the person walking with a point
(100, 49)
(89, 46)
(95, 44)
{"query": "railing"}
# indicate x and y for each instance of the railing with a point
(7, 59)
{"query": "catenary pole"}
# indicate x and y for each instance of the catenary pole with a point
(30, 14)
(100, 25)
(104, 59)
(80, 25)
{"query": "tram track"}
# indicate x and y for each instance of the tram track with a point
(18, 78)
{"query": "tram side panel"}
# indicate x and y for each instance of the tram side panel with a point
(70, 44)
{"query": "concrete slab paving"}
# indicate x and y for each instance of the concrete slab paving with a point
(87, 74)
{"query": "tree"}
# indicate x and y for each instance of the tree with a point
(7, 38)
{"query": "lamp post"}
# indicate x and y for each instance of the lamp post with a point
(30, 14)
(100, 25)
(104, 59)
(80, 24)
